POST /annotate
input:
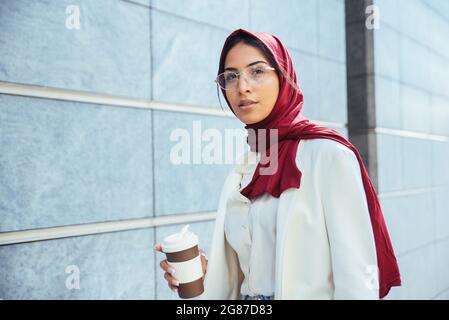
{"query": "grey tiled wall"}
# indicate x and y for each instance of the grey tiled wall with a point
(110, 54)
(66, 163)
(111, 266)
(411, 61)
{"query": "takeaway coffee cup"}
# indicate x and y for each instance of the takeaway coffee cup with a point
(183, 255)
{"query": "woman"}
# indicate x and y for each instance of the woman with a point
(313, 227)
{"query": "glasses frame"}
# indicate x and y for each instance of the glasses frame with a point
(266, 67)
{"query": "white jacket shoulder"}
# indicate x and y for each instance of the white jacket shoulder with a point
(311, 152)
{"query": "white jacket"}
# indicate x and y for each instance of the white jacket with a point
(325, 245)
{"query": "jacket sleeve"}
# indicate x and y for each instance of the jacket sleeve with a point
(348, 224)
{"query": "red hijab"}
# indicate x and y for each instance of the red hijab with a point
(292, 126)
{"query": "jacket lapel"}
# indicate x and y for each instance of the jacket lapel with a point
(282, 231)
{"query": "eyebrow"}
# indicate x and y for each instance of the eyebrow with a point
(252, 63)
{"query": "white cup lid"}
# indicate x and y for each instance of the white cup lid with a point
(182, 240)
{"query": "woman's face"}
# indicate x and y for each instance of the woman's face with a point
(264, 94)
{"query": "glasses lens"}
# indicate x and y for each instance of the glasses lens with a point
(253, 75)
(227, 80)
(256, 73)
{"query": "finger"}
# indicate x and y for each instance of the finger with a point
(166, 267)
(204, 261)
(203, 258)
(171, 280)
(169, 277)
(173, 288)
(157, 247)
(204, 266)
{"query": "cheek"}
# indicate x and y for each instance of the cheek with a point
(275, 89)
(233, 99)
(270, 94)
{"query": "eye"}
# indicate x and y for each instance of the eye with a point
(230, 76)
(257, 71)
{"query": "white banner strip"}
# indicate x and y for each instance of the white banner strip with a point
(14, 237)
(87, 97)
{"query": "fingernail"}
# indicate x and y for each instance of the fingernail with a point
(171, 270)
(175, 282)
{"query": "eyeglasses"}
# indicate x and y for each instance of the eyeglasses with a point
(254, 76)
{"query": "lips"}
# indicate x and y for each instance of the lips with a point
(246, 102)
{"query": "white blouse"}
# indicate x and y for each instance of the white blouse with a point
(321, 245)
(252, 235)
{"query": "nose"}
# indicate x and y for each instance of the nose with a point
(243, 84)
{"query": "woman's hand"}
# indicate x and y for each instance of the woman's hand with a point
(170, 275)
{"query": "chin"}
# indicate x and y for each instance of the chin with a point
(250, 120)
(250, 117)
